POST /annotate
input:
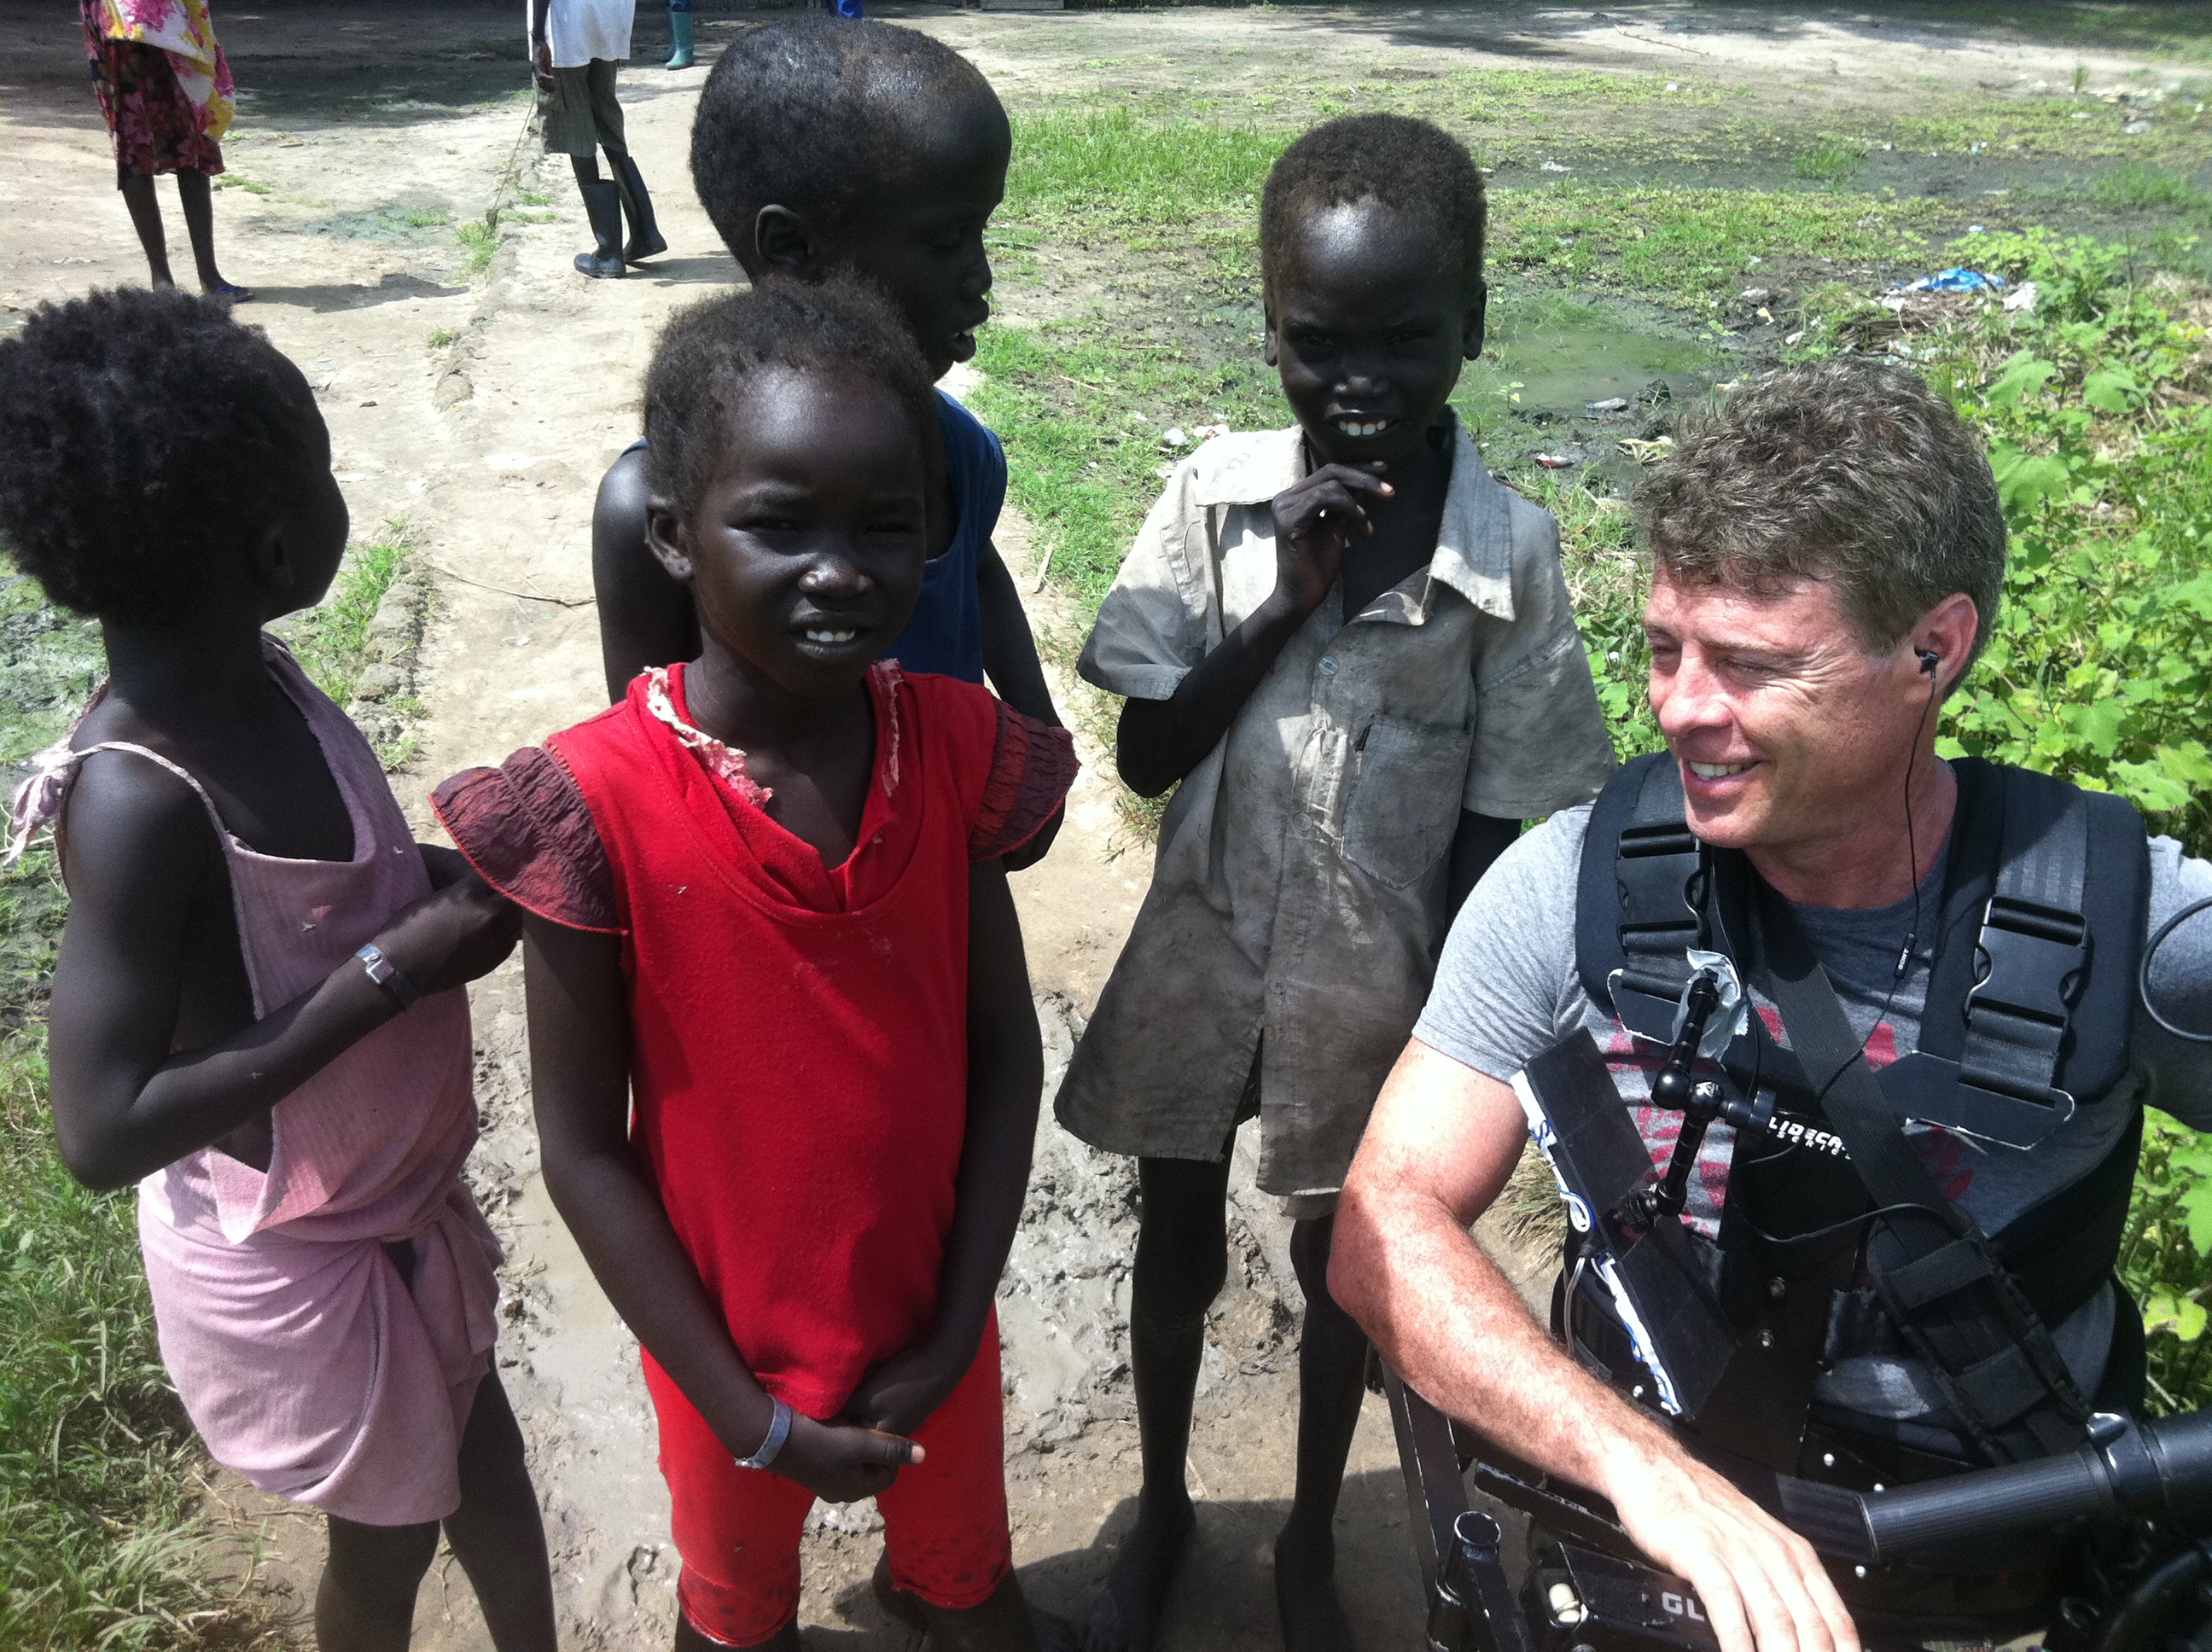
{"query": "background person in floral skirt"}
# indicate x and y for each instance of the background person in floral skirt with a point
(165, 92)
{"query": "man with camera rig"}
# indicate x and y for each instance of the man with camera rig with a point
(1899, 997)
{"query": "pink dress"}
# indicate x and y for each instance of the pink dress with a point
(305, 1361)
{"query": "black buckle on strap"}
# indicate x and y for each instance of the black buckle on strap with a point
(1655, 867)
(2016, 1016)
(2034, 952)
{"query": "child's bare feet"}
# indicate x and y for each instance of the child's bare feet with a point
(1305, 1593)
(1125, 1616)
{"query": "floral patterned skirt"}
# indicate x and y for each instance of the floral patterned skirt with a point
(155, 128)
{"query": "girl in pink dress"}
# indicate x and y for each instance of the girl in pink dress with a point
(256, 1014)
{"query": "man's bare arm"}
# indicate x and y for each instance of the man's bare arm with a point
(1443, 1141)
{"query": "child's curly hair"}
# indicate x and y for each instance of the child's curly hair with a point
(1414, 166)
(709, 353)
(819, 113)
(140, 432)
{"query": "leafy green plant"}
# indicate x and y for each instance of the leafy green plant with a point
(439, 338)
(2163, 1262)
(2101, 664)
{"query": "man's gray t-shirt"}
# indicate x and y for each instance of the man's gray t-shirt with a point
(1506, 990)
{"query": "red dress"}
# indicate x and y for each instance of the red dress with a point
(799, 1032)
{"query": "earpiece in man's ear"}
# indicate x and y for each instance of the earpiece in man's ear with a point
(1929, 660)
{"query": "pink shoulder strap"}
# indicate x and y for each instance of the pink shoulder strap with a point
(38, 802)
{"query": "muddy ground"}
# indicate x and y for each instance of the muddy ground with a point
(478, 406)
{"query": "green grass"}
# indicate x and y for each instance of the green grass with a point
(251, 186)
(1110, 167)
(439, 338)
(1831, 161)
(50, 662)
(2139, 187)
(1694, 244)
(1081, 465)
(1157, 191)
(101, 1539)
(479, 239)
(329, 639)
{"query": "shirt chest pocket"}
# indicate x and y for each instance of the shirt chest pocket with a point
(1405, 784)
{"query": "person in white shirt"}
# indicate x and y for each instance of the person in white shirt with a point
(574, 47)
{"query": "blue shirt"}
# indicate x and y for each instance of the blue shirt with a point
(946, 632)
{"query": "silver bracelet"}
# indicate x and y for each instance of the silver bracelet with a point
(387, 975)
(779, 1431)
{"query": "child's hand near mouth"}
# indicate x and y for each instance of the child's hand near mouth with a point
(1314, 518)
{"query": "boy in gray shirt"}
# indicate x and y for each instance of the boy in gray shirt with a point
(1352, 652)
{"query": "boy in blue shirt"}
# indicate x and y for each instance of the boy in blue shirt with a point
(821, 145)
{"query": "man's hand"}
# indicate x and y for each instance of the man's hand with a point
(541, 65)
(1314, 519)
(842, 1463)
(1442, 1142)
(1761, 1584)
(902, 1393)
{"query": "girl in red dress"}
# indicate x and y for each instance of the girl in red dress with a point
(767, 904)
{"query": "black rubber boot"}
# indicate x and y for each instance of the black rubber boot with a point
(645, 237)
(603, 205)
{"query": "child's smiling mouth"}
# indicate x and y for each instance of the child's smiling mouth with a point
(824, 635)
(1361, 428)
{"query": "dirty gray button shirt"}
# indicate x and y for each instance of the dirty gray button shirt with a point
(1299, 888)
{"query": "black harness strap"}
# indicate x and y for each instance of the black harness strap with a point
(2036, 944)
(1936, 1273)
(1661, 868)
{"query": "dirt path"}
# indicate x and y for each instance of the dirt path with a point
(480, 409)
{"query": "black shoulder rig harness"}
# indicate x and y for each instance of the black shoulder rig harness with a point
(2028, 1018)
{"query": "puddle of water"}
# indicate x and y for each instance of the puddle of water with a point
(1555, 354)
(1563, 355)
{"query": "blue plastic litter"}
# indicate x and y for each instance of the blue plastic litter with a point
(1953, 281)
